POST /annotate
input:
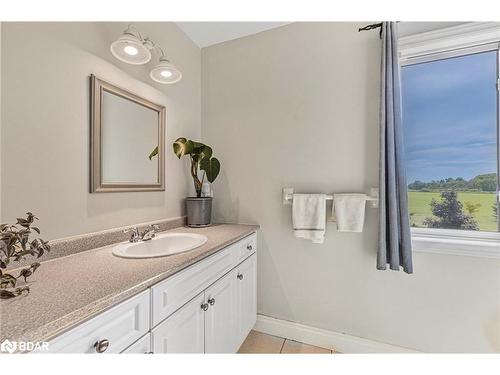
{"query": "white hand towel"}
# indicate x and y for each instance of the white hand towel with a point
(349, 212)
(309, 216)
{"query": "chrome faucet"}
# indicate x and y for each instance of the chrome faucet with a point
(150, 232)
(147, 235)
(135, 236)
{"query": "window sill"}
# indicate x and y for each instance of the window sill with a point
(456, 242)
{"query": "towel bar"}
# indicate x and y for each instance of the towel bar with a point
(372, 197)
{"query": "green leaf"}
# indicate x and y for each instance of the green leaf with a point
(211, 166)
(182, 147)
(5, 294)
(25, 273)
(206, 152)
(7, 279)
(153, 153)
(201, 152)
(30, 217)
(197, 146)
(197, 151)
(34, 266)
(19, 291)
(23, 222)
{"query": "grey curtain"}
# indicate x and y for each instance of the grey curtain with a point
(394, 228)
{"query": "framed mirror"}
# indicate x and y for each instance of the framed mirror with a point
(127, 140)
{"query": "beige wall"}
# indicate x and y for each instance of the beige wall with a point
(298, 106)
(45, 123)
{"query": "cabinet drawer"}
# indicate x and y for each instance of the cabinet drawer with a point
(120, 326)
(246, 247)
(141, 346)
(171, 294)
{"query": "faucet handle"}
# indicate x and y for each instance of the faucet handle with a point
(135, 234)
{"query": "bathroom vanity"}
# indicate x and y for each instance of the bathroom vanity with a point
(199, 301)
(209, 307)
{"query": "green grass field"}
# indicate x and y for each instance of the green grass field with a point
(419, 206)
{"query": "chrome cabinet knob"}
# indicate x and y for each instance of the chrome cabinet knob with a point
(101, 346)
(249, 247)
(240, 276)
(211, 301)
(204, 306)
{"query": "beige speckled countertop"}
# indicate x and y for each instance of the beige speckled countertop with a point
(68, 290)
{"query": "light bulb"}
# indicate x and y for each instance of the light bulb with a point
(132, 51)
(165, 72)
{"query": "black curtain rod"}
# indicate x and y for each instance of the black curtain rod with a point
(371, 27)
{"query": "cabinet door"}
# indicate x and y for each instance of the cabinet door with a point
(183, 331)
(246, 297)
(220, 318)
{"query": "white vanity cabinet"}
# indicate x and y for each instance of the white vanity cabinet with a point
(209, 307)
(215, 321)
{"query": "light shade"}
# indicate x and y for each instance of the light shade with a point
(165, 72)
(130, 49)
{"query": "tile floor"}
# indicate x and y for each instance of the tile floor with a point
(261, 343)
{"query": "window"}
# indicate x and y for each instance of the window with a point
(450, 117)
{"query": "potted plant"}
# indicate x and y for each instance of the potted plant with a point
(199, 209)
(15, 244)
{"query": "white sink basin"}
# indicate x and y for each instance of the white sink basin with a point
(160, 246)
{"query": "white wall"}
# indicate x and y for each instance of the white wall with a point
(298, 106)
(45, 123)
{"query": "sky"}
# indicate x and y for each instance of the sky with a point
(450, 117)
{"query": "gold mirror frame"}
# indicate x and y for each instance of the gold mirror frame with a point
(97, 88)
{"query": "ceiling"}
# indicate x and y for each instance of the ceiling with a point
(205, 34)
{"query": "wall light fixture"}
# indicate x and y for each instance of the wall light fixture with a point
(132, 48)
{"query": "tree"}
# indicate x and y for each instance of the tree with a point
(483, 182)
(449, 214)
(472, 208)
(417, 185)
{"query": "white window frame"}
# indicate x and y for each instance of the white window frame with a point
(473, 37)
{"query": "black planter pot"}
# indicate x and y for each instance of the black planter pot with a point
(199, 211)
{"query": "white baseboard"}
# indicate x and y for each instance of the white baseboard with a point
(339, 342)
